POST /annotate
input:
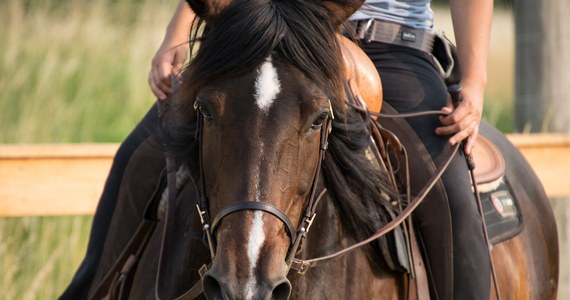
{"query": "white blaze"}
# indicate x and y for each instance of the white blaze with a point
(256, 239)
(267, 86)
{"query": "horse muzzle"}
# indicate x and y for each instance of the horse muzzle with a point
(219, 287)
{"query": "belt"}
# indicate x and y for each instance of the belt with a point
(391, 33)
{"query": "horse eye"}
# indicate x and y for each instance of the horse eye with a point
(318, 123)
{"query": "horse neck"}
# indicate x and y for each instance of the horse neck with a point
(349, 276)
(327, 232)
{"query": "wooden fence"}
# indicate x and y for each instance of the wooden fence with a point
(64, 179)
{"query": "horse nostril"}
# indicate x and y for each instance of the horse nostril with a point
(212, 288)
(216, 289)
(281, 291)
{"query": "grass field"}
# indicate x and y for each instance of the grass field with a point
(75, 71)
(70, 71)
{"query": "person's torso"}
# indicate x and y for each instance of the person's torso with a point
(412, 13)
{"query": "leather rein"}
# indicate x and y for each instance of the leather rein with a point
(296, 236)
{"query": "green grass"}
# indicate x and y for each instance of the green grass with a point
(75, 71)
(70, 71)
(39, 255)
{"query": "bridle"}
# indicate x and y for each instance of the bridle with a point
(295, 235)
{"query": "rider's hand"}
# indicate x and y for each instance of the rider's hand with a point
(463, 121)
(172, 53)
(472, 27)
(166, 64)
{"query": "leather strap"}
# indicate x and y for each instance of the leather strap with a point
(420, 290)
(123, 267)
(391, 33)
(170, 203)
(471, 165)
(456, 97)
(254, 205)
(193, 293)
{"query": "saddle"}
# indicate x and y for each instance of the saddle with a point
(361, 74)
(490, 164)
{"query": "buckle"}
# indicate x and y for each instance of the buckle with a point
(300, 266)
(364, 30)
(203, 269)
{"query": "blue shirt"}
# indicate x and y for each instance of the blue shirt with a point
(412, 13)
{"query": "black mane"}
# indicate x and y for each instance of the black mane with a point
(359, 187)
(247, 32)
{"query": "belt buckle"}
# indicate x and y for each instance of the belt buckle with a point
(364, 31)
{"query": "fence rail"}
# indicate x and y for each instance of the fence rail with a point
(64, 179)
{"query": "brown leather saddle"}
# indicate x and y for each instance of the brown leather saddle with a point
(489, 161)
(361, 74)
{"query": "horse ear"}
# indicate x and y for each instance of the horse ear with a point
(340, 10)
(208, 10)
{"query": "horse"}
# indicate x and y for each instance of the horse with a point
(280, 167)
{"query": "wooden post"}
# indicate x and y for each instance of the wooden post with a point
(542, 32)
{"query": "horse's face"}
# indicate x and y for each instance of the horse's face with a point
(260, 143)
(262, 130)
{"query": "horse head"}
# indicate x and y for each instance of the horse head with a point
(264, 82)
(260, 145)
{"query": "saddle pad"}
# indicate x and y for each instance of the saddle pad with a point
(502, 214)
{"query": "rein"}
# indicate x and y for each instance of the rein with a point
(302, 265)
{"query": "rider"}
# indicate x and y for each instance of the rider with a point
(410, 81)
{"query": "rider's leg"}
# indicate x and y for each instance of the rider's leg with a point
(82, 280)
(471, 262)
(410, 82)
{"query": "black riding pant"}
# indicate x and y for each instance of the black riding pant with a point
(411, 83)
(82, 280)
